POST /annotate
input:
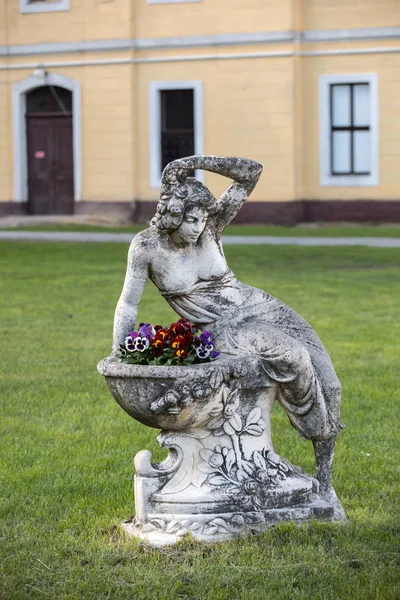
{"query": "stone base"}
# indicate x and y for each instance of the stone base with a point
(222, 478)
(220, 528)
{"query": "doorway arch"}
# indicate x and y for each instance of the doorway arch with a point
(20, 91)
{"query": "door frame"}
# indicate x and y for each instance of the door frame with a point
(20, 89)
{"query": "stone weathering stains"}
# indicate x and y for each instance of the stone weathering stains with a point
(222, 477)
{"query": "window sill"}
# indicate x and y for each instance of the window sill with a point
(350, 181)
(44, 7)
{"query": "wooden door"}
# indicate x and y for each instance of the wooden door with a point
(50, 155)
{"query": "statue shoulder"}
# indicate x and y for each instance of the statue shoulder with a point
(146, 239)
(143, 247)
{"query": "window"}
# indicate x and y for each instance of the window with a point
(38, 6)
(176, 124)
(349, 130)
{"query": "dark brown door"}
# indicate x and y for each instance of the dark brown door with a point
(50, 156)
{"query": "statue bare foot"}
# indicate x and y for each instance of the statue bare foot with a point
(324, 451)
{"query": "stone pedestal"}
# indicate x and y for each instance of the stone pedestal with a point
(222, 478)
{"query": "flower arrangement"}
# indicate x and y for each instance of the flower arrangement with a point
(182, 343)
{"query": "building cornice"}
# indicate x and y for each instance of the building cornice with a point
(197, 58)
(350, 35)
(203, 41)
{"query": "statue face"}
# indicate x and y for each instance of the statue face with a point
(193, 224)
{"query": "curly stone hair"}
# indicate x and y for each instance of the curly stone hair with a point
(179, 193)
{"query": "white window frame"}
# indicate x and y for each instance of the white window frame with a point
(41, 7)
(155, 87)
(171, 1)
(326, 177)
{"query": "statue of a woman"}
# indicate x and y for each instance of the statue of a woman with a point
(181, 252)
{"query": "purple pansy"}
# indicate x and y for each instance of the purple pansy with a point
(141, 343)
(133, 334)
(214, 354)
(122, 350)
(206, 337)
(202, 352)
(147, 330)
(130, 341)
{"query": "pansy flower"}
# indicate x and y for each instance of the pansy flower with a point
(141, 343)
(157, 346)
(179, 342)
(187, 325)
(147, 330)
(122, 350)
(181, 353)
(161, 333)
(202, 352)
(182, 327)
(130, 341)
(196, 341)
(206, 337)
(176, 329)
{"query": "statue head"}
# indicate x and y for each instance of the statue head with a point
(181, 196)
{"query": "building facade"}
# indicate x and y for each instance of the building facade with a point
(96, 96)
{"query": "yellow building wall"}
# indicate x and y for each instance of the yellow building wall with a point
(100, 20)
(3, 21)
(263, 108)
(108, 133)
(6, 166)
(387, 67)
(347, 14)
(212, 17)
(86, 20)
(107, 130)
(248, 107)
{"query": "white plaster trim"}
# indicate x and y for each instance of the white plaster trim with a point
(170, 1)
(194, 58)
(326, 179)
(155, 124)
(349, 52)
(41, 7)
(219, 39)
(228, 56)
(20, 89)
(347, 35)
(197, 41)
(67, 47)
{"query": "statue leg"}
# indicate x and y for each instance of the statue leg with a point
(324, 451)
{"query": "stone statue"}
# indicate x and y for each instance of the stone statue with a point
(182, 254)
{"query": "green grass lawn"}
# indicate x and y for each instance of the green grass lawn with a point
(67, 448)
(325, 231)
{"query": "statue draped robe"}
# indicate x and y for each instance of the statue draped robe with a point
(287, 347)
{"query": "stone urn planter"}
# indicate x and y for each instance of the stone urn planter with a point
(222, 478)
